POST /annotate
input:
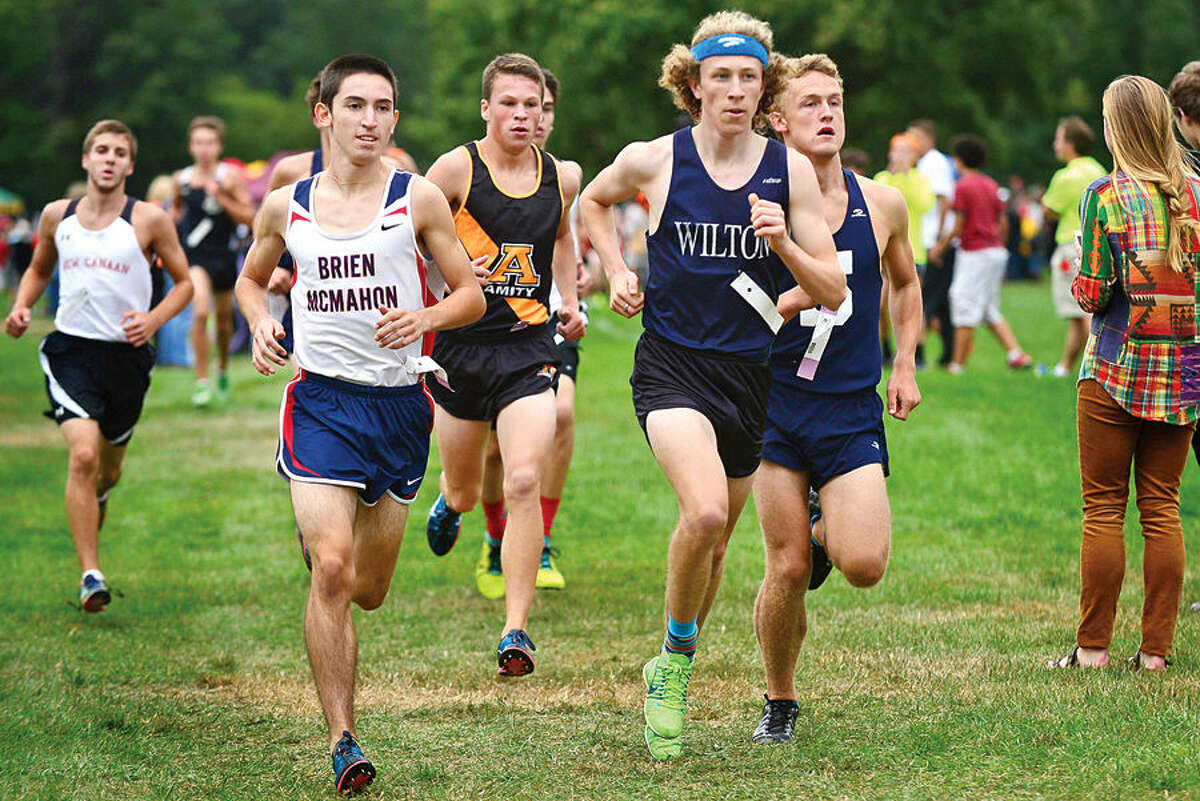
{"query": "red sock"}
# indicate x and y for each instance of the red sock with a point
(494, 513)
(549, 510)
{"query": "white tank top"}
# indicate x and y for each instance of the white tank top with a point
(341, 280)
(103, 274)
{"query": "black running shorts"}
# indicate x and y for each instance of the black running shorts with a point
(96, 379)
(730, 392)
(487, 376)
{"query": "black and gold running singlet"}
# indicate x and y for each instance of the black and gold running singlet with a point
(518, 233)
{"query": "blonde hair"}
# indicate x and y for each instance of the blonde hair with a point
(799, 67)
(1137, 118)
(161, 190)
(111, 126)
(680, 67)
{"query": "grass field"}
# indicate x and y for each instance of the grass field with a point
(928, 686)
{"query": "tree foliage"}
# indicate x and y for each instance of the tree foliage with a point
(1007, 69)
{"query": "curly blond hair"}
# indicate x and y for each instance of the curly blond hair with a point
(798, 68)
(680, 67)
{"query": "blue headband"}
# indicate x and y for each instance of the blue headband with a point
(730, 44)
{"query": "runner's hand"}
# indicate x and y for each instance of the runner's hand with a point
(265, 350)
(137, 328)
(902, 392)
(623, 295)
(17, 321)
(480, 267)
(399, 327)
(570, 323)
(281, 281)
(768, 220)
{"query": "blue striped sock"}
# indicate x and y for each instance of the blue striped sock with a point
(681, 637)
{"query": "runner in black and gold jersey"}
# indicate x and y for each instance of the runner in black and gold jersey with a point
(510, 202)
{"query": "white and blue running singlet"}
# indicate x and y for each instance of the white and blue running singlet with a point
(341, 280)
(845, 356)
(703, 241)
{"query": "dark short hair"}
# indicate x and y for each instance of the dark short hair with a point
(926, 126)
(1078, 133)
(1184, 90)
(970, 150)
(343, 67)
(512, 64)
(208, 121)
(313, 95)
(552, 84)
(852, 157)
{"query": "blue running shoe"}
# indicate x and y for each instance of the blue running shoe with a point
(515, 653)
(442, 527)
(93, 594)
(304, 550)
(351, 770)
(821, 564)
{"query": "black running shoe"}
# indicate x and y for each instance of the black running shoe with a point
(820, 557)
(778, 722)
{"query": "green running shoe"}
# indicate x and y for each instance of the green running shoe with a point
(222, 388)
(489, 576)
(666, 677)
(662, 748)
(202, 394)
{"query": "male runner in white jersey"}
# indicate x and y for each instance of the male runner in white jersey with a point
(732, 214)
(354, 428)
(98, 360)
(824, 418)
(211, 200)
(489, 576)
(511, 202)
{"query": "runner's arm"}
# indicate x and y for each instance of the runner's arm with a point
(164, 241)
(565, 265)
(904, 303)
(39, 272)
(251, 287)
(464, 303)
(235, 198)
(806, 249)
(633, 168)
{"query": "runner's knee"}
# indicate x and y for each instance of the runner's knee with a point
(521, 483)
(84, 460)
(705, 521)
(333, 573)
(460, 498)
(109, 476)
(864, 569)
(789, 567)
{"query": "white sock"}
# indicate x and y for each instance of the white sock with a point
(103, 496)
(96, 574)
(1014, 354)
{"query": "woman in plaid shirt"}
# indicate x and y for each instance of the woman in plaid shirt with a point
(1139, 384)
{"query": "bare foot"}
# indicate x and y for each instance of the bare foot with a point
(1093, 657)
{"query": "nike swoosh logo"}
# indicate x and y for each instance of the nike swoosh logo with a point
(389, 227)
(414, 481)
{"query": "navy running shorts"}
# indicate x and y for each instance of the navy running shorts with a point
(820, 434)
(730, 392)
(375, 439)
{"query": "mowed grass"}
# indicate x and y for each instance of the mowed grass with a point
(931, 685)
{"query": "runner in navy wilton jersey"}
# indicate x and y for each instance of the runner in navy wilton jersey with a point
(731, 215)
(824, 418)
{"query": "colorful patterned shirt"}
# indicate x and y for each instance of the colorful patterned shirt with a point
(1144, 348)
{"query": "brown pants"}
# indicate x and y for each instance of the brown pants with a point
(1109, 439)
